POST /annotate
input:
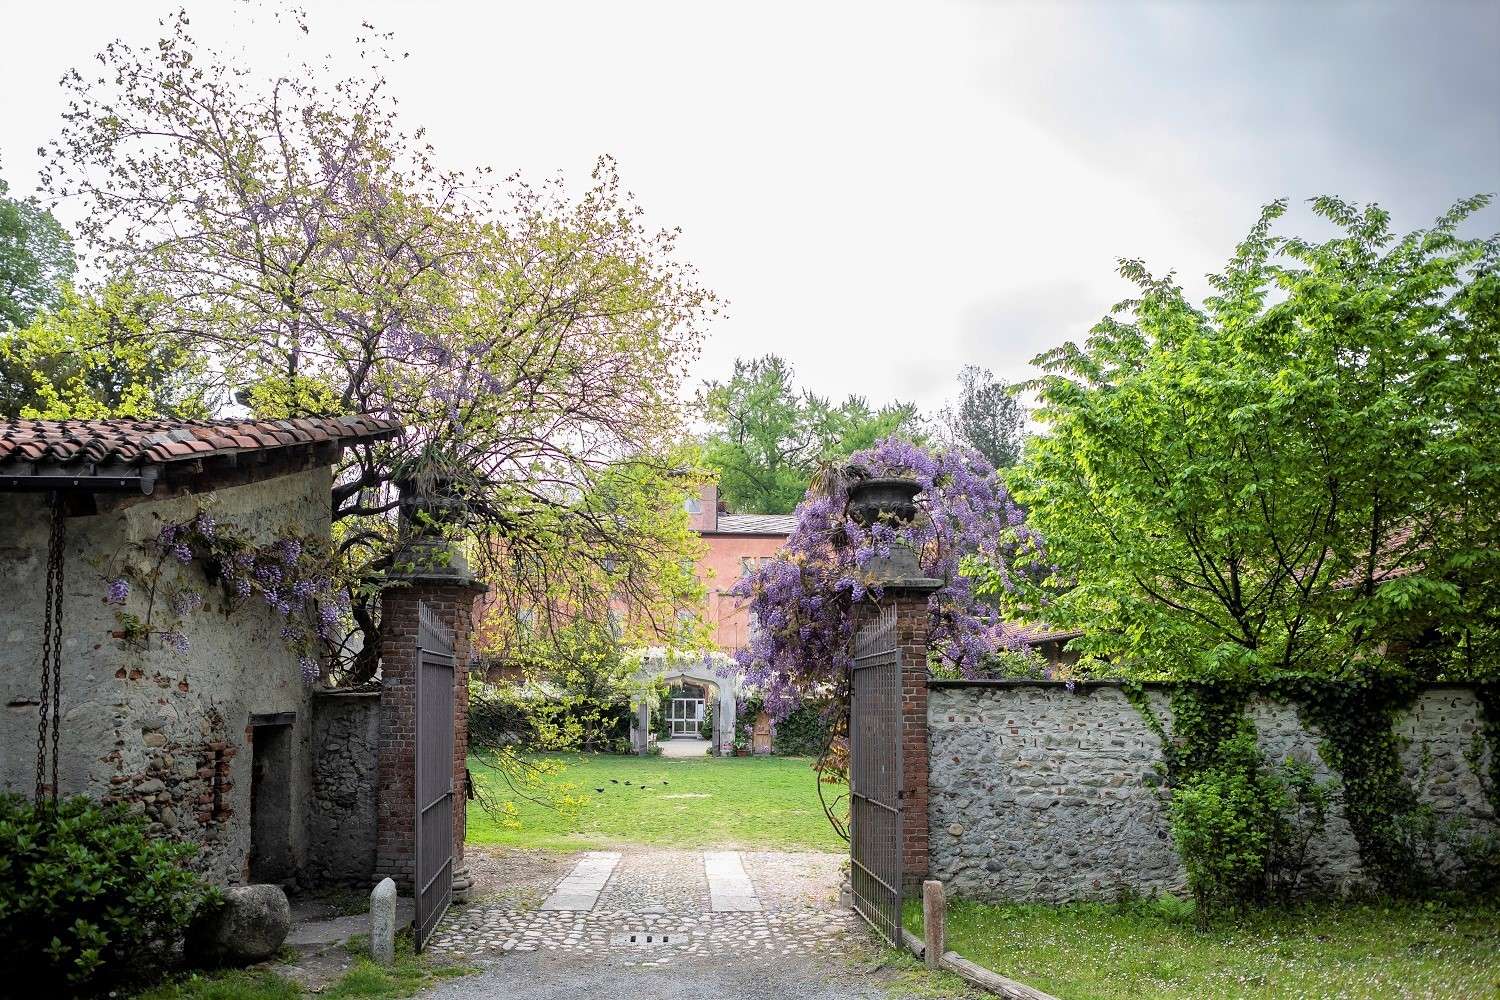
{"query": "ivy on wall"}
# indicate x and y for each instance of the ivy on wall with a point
(1242, 824)
(1357, 721)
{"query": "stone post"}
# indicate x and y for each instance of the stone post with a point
(642, 732)
(443, 582)
(383, 922)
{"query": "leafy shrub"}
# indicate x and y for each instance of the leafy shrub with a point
(532, 718)
(498, 716)
(87, 899)
(1243, 829)
(803, 733)
(706, 727)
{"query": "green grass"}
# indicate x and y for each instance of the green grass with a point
(1153, 949)
(768, 802)
(365, 980)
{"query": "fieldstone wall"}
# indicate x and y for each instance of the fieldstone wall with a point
(346, 735)
(169, 734)
(1041, 793)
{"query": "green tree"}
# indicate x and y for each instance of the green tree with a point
(1300, 477)
(768, 437)
(987, 417)
(36, 260)
(101, 355)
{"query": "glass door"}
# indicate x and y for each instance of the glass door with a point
(685, 715)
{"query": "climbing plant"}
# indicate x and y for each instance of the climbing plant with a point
(1241, 824)
(294, 575)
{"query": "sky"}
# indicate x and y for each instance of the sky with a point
(887, 192)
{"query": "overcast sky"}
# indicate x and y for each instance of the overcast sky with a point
(888, 192)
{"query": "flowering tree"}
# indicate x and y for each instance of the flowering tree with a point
(803, 601)
(312, 251)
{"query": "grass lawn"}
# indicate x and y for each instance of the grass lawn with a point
(1130, 951)
(767, 802)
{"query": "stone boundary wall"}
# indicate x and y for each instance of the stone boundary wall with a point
(1041, 793)
(346, 758)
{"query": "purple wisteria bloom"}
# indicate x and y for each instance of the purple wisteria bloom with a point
(119, 590)
(802, 601)
(175, 641)
(185, 602)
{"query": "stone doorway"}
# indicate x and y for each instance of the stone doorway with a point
(271, 798)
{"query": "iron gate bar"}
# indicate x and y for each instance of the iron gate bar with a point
(432, 870)
(875, 757)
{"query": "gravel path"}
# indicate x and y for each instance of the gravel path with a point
(550, 976)
(514, 877)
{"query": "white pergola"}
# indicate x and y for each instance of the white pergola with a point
(714, 670)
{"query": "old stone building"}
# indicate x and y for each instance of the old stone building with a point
(173, 697)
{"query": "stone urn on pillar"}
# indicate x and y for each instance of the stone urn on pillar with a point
(892, 500)
(905, 591)
(427, 510)
(428, 569)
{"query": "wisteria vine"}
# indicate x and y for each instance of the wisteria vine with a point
(803, 601)
(292, 575)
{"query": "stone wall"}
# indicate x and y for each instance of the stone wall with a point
(1043, 794)
(346, 733)
(170, 734)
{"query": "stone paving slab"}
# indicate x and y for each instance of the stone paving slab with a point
(580, 889)
(729, 888)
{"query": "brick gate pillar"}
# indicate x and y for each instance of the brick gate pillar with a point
(449, 592)
(906, 594)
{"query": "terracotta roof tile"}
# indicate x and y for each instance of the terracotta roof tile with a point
(138, 442)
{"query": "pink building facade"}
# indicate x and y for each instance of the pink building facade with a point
(735, 543)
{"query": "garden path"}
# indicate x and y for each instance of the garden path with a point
(684, 747)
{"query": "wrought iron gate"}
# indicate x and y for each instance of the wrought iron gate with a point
(875, 776)
(433, 871)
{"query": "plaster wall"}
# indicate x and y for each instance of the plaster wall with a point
(167, 733)
(718, 569)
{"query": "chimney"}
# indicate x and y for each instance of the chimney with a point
(706, 517)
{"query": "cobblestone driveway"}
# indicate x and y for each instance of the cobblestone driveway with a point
(644, 923)
(651, 907)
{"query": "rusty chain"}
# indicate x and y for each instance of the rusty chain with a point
(51, 702)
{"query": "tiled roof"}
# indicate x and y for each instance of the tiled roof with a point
(756, 524)
(141, 442)
(1034, 634)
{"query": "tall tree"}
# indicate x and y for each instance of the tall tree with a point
(768, 437)
(987, 417)
(532, 342)
(1299, 477)
(101, 355)
(36, 260)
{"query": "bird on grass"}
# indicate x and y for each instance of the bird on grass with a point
(599, 790)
